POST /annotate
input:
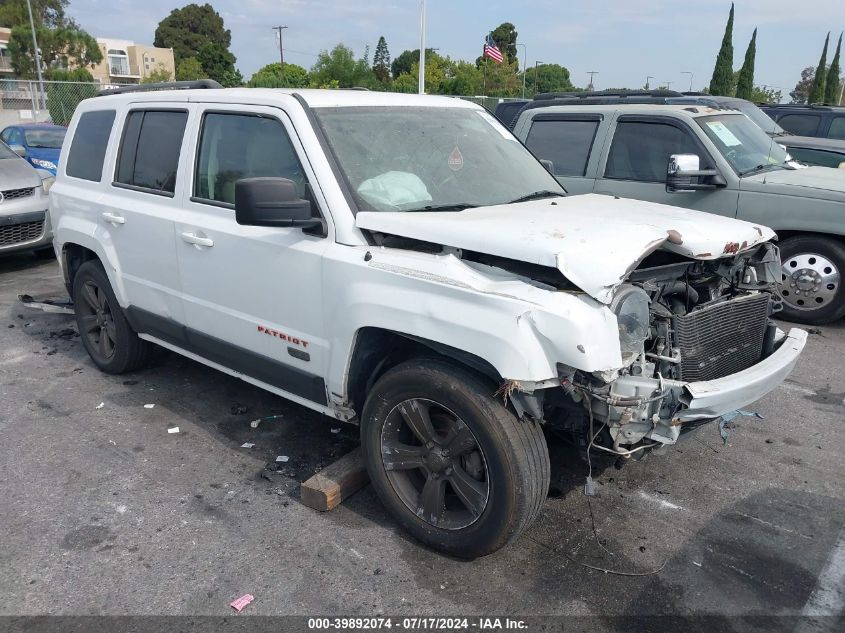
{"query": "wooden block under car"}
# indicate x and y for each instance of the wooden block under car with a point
(336, 482)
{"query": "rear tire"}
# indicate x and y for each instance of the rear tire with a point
(106, 334)
(812, 279)
(481, 477)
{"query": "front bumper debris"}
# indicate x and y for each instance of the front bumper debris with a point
(697, 402)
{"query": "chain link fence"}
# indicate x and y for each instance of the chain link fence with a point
(31, 101)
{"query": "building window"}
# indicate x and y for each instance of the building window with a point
(118, 62)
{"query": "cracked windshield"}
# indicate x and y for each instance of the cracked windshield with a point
(431, 159)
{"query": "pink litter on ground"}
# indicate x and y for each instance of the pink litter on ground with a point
(241, 602)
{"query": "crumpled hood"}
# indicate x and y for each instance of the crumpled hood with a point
(594, 240)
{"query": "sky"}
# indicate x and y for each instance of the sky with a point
(623, 40)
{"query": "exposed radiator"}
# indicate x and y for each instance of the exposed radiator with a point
(722, 339)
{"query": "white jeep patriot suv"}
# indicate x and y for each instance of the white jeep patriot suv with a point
(404, 262)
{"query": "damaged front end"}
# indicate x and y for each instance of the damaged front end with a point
(697, 341)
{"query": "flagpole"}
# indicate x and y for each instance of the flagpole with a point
(421, 80)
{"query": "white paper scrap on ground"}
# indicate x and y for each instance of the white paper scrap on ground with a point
(282, 458)
(247, 445)
(149, 406)
(173, 429)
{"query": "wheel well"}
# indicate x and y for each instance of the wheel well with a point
(378, 350)
(73, 256)
(785, 235)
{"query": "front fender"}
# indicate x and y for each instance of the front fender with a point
(522, 330)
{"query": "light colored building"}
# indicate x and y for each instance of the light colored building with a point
(125, 62)
(5, 59)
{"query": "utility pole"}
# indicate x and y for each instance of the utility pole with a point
(687, 72)
(646, 82)
(524, 69)
(421, 79)
(591, 73)
(281, 48)
(669, 85)
(37, 56)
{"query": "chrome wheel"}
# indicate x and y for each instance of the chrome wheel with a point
(809, 281)
(435, 464)
(97, 321)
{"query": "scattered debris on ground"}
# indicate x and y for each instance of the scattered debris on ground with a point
(239, 603)
(55, 306)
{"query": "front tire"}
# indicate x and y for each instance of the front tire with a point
(811, 279)
(106, 334)
(449, 461)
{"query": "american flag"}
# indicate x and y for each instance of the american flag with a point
(491, 50)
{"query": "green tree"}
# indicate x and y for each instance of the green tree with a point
(549, 78)
(461, 78)
(339, 65)
(505, 37)
(802, 89)
(406, 82)
(745, 82)
(64, 96)
(817, 89)
(381, 61)
(158, 75)
(765, 95)
(61, 47)
(832, 82)
(50, 13)
(277, 76)
(219, 64)
(188, 29)
(189, 69)
(402, 65)
(722, 81)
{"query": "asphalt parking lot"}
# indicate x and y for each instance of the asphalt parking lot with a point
(105, 512)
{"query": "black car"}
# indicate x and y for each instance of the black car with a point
(821, 121)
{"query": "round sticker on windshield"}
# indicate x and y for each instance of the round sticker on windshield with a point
(456, 159)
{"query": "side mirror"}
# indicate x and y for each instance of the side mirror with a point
(684, 173)
(20, 150)
(549, 165)
(271, 202)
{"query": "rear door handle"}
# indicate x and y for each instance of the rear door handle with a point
(114, 218)
(197, 240)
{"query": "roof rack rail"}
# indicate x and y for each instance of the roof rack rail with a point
(606, 93)
(162, 85)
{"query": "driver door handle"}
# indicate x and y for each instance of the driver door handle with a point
(114, 218)
(197, 240)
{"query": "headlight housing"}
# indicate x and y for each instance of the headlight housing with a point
(630, 305)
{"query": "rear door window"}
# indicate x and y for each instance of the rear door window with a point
(88, 147)
(837, 128)
(566, 142)
(800, 124)
(149, 153)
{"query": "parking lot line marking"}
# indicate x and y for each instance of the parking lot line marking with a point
(828, 598)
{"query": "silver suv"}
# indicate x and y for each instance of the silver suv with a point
(24, 224)
(713, 160)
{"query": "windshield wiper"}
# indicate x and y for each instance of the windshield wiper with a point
(754, 170)
(537, 195)
(455, 206)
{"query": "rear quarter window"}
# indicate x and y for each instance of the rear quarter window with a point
(88, 147)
